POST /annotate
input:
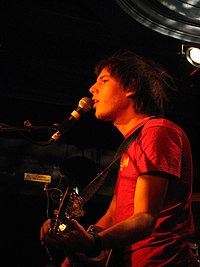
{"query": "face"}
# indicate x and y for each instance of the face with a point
(109, 97)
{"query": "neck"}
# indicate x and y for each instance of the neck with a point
(129, 124)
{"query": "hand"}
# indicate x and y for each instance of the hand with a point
(78, 239)
(48, 239)
(44, 230)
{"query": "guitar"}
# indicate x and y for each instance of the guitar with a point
(70, 206)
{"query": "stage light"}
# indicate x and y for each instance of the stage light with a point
(193, 56)
(189, 59)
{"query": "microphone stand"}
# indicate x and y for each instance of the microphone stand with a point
(28, 127)
(25, 128)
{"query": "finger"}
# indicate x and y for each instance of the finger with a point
(45, 229)
(55, 212)
(76, 225)
(66, 263)
(41, 235)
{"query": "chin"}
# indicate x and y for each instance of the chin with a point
(99, 116)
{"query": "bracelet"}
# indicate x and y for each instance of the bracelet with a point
(97, 248)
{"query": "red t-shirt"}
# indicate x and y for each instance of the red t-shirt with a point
(160, 146)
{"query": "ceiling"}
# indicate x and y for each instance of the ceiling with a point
(49, 48)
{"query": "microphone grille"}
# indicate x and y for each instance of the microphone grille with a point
(86, 104)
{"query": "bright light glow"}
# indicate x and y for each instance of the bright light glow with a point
(193, 56)
(62, 227)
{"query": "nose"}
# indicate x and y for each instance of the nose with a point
(93, 89)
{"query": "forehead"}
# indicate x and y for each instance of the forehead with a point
(105, 73)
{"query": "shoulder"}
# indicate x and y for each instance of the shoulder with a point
(164, 128)
(162, 123)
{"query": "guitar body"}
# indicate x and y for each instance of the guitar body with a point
(102, 260)
(70, 206)
(107, 258)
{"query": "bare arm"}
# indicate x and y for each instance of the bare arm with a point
(149, 197)
(108, 218)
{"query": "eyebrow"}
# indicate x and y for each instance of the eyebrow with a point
(102, 77)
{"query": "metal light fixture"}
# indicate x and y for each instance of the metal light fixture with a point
(193, 56)
(189, 59)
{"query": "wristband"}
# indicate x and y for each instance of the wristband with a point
(97, 248)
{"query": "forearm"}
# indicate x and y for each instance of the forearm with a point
(105, 222)
(108, 219)
(128, 232)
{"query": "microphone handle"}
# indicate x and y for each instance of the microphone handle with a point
(69, 121)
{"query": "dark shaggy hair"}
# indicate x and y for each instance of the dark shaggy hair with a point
(148, 79)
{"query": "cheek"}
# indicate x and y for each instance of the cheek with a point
(110, 102)
(118, 99)
(113, 96)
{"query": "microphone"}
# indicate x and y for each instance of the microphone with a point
(84, 105)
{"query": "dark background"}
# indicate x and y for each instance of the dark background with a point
(47, 53)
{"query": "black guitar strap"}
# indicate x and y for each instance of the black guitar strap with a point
(97, 182)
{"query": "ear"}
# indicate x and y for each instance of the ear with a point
(130, 93)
